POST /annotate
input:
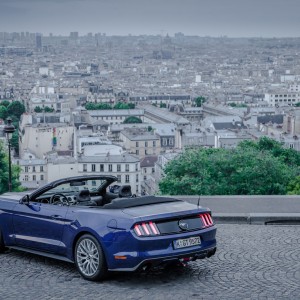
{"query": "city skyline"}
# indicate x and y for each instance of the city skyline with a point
(232, 18)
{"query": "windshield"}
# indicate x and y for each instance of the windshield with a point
(76, 186)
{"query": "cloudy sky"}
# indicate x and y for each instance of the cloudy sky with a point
(234, 18)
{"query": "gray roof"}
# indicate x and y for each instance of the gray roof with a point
(124, 158)
(278, 119)
(135, 134)
(116, 112)
(148, 161)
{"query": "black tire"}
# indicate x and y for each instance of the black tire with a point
(89, 258)
(2, 245)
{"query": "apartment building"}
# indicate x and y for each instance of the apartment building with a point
(40, 134)
(140, 141)
(125, 167)
(282, 98)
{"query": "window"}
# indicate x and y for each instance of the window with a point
(126, 178)
(33, 169)
(137, 152)
(93, 167)
(154, 143)
(119, 178)
(136, 167)
(26, 177)
(26, 169)
(84, 167)
(153, 170)
(171, 141)
(33, 178)
(145, 177)
(137, 178)
(101, 168)
(42, 177)
(110, 167)
(118, 168)
(127, 167)
(41, 169)
(145, 170)
(137, 144)
(137, 189)
(146, 152)
(146, 144)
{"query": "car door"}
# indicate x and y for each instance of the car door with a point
(40, 226)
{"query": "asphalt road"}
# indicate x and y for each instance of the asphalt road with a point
(252, 262)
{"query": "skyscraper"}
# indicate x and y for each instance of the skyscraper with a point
(38, 41)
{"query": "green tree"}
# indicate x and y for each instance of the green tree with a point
(15, 141)
(103, 106)
(38, 109)
(90, 106)
(5, 103)
(48, 109)
(132, 119)
(199, 101)
(250, 169)
(16, 108)
(294, 186)
(131, 105)
(3, 112)
(4, 173)
(121, 105)
(162, 105)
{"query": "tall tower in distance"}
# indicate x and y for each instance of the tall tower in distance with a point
(38, 41)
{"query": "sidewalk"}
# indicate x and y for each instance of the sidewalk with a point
(251, 209)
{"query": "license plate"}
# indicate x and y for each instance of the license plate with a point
(183, 243)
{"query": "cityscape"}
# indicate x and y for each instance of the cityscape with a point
(249, 88)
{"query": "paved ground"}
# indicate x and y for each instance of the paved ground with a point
(252, 262)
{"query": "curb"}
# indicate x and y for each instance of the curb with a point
(257, 218)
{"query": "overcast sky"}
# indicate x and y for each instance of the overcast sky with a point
(234, 18)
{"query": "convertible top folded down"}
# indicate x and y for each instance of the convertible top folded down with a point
(120, 203)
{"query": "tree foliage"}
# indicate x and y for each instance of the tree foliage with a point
(99, 106)
(253, 168)
(15, 108)
(3, 112)
(132, 119)
(4, 173)
(199, 101)
(294, 186)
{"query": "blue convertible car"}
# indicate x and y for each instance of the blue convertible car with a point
(80, 220)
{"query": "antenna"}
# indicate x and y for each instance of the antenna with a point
(199, 201)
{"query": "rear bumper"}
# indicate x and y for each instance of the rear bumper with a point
(166, 260)
(144, 253)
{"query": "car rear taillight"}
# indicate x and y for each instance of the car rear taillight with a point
(146, 229)
(206, 220)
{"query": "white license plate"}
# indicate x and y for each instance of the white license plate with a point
(183, 243)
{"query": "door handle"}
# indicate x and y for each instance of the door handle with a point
(56, 217)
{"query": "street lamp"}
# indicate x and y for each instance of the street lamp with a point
(9, 129)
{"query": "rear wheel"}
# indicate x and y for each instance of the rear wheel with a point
(2, 245)
(89, 258)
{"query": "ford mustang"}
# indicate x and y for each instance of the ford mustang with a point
(101, 229)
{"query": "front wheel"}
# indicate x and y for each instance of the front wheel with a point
(89, 258)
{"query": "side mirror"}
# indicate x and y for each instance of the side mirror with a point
(25, 200)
